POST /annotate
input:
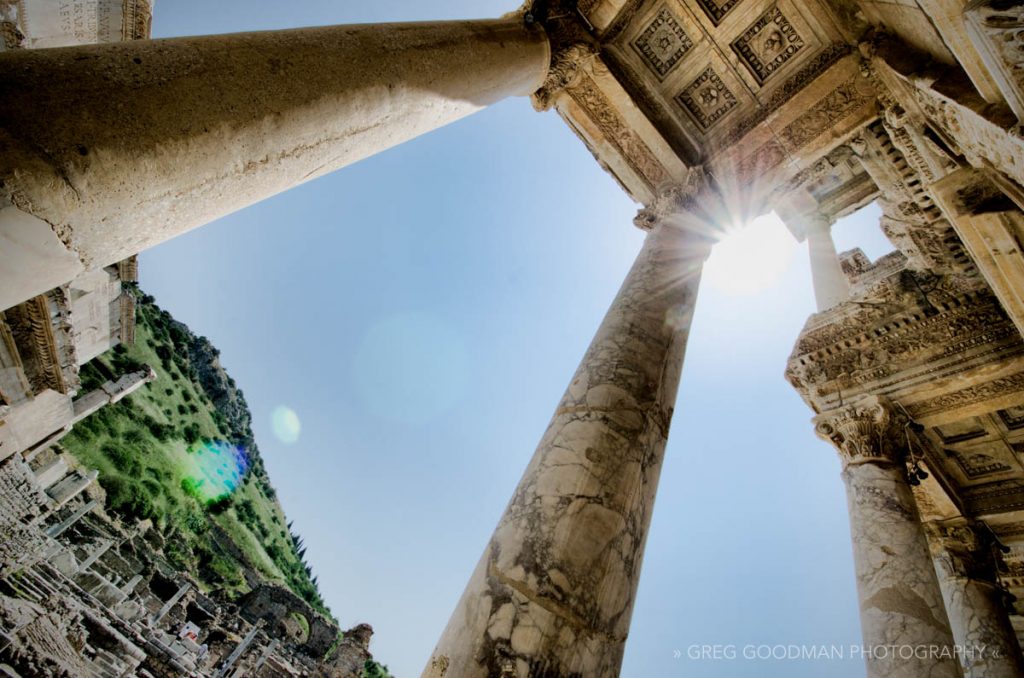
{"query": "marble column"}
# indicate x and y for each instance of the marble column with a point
(106, 150)
(553, 593)
(966, 566)
(831, 287)
(903, 620)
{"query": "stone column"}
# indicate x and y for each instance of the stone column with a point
(831, 287)
(981, 624)
(553, 593)
(901, 608)
(106, 150)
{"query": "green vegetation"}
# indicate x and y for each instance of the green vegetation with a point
(146, 449)
(372, 669)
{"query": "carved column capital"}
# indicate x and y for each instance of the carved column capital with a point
(869, 430)
(962, 550)
(564, 72)
(695, 205)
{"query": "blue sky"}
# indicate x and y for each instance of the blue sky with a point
(422, 312)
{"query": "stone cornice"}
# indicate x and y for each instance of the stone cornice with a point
(907, 328)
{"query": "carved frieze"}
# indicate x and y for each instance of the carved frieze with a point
(634, 151)
(136, 20)
(707, 99)
(767, 45)
(843, 100)
(663, 43)
(905, 329)
(998, 497)
(971, 395)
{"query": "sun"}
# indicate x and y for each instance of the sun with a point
(752, 258)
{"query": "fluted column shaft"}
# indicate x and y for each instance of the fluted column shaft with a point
(903, 620)
(981, 624)
(106, 150)
(553, 593)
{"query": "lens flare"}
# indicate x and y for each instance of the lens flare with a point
(213, 470)
(285, 424)
(411, 368)
(751, 259)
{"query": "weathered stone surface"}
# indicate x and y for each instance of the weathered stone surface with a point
(553, 593)
(900, 600)
(966, 567)
(190, 129)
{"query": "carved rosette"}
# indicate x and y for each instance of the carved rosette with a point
(869, 430)
(565, 71)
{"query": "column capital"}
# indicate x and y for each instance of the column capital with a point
(817, 221)
(695, 205)
(962, 550)
(868, 430)
(563, 73)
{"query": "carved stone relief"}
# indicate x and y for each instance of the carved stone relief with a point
(663, 43)
(707, 99)
(767, 45)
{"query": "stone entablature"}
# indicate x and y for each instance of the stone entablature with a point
(898, 337)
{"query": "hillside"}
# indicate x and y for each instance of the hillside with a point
(180, 452)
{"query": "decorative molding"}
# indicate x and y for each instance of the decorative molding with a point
(1012, 421)
(128, 269)
(633, 150)
(977, 464)
(767, 45)
(972, 395)
(32, 329)
(836, 105)
(905, 321)
(137, 20)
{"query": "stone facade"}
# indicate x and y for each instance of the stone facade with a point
(706, 112)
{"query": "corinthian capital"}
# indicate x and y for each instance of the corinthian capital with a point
(868, 430)
(565, 71)
(691, 197)
(962, 550)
